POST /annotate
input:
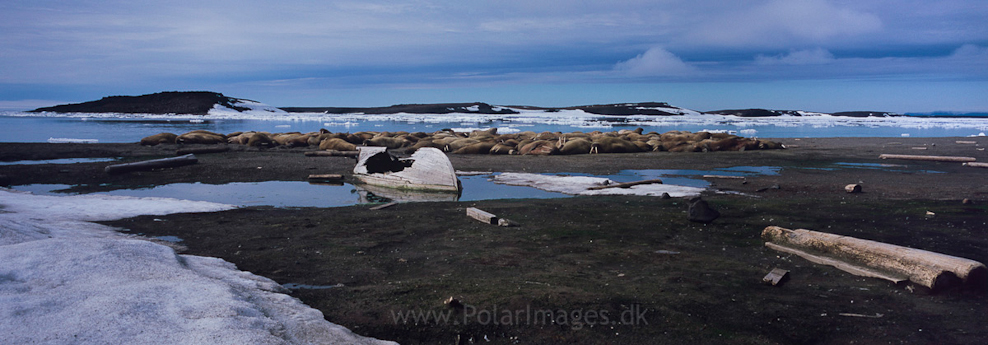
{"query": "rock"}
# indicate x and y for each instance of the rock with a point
(965, 201)
(4, 181)
(666, 196)
(853, 188)
(701, 212)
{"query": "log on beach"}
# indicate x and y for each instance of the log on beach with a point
(627, 184)
(976, 164)
(898, 264)
(928, 158)
(188, 159)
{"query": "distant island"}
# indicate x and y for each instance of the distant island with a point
(169, 102)
(201, 102)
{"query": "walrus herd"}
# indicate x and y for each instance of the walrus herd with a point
(484, 141)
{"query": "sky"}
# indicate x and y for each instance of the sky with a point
(817, 55)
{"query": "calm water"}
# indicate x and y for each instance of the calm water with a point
(132, 129)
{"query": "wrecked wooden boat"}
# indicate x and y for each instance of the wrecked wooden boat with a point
(428, 169)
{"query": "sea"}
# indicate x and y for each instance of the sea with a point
(127, 128)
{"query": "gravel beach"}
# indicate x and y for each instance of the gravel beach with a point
(637, 261)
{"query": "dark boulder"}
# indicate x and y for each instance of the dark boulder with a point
(701, 212)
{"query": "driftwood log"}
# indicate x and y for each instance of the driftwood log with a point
(627, 184)
(928, 158)
(898, 264)
(188, 159)
(487, 217)
(326, 177)
(976, 164)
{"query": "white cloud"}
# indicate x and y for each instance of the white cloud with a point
(971, 51)
(654, 62)
(785, 22)
(816, 56)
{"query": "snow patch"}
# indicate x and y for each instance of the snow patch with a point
(66, 280)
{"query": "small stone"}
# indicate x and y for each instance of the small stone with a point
(967, 202)
(453, 303)
(665, 196)
(853, 188)
(701, 212)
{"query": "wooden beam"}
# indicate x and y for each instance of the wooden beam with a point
(172, 162)
(928, 158)
(481, 215)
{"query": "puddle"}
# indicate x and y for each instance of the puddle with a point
(476, 186)
(172, 239)
(61, 161)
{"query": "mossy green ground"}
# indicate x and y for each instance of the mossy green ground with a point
(590, 256)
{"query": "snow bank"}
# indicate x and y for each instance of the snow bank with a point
(578, 185)
(65, 280)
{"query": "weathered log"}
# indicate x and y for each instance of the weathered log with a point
(626, 184)
(928, 158)
(934, 271)
(332, 153)
(326, 177)
(976, 164)
(481, 215)
(172, 162)
(200, 150)
(488, 218)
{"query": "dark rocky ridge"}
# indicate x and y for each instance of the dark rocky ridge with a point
(438, 108)
(200, 102)
(172, 102)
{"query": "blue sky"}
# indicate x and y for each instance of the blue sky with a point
(819, 55)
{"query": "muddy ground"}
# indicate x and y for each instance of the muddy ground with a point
(590, 269)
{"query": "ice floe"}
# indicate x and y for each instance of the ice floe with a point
(579, 185)
(66, 280)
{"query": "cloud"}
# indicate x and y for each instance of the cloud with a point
(786, 22)
(969, 51)
(654, 63)
(816, 56)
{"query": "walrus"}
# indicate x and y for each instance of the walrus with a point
(389, 142)
(539, 147)
(201, 137)
(337, 144)
(575, 147)
(260, 139)
(481, 147)
(160, 138)
(613, 145)
(460, 143)
(503, 149)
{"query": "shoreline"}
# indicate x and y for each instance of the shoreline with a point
(602, 253)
